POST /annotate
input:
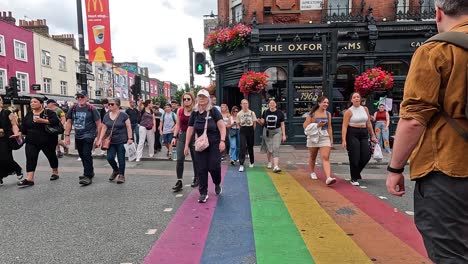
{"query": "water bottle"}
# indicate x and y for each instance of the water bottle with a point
(174, 152)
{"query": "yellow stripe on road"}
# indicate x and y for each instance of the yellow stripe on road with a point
(326, 241)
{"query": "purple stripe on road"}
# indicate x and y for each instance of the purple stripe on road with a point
(184, 239)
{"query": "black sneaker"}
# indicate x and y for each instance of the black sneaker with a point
(233, 162)
(86, 181)
(54, 177)
(19, 176)
(1, 182)
(218, 189)
(194, 183)
(25, 183)
(203, 198)
(178, 186)
(113, 175)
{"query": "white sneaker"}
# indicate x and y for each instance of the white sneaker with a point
(79, 159)
(151, 156)
(276, 169)
(269, 166)
(251, 165)
(137, 160)
(313, 176)
(354, 183)
(241, 168)
(330, 181)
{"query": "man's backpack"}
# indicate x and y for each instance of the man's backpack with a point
(458, 39)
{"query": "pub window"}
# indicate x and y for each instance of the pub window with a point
(308, 69)
(343, 88)
(339, 7)
(397, 68)
(277, 88)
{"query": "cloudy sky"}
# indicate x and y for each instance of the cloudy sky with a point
(152, 32)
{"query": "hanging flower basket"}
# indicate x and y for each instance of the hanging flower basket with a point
(253, 82)
(227, 38)
(374, 79)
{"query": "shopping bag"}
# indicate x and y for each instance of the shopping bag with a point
(132, 152)
(377, 152)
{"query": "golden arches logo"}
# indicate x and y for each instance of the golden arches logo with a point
(94, 3)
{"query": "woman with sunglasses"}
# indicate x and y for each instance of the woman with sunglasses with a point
(116, 125)
(234, 135)
(205, 117)
(8, 130)
(180, 133)
(38, 139)
(247, 121)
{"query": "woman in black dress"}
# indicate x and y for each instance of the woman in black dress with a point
(38, 139)
(8, 130)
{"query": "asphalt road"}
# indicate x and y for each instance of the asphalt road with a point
(62, 222)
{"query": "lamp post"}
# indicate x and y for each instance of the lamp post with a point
(112, 72)
(83, 61)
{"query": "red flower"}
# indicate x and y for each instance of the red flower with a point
(373, 79)
(253, 82)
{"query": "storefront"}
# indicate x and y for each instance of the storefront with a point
(303, 63)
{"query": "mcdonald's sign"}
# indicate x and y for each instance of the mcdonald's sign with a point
(99, 37)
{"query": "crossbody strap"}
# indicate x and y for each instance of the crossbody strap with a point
(206, 121)
(112, 129)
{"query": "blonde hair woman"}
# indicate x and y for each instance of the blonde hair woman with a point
(180, 138)
(247, 121)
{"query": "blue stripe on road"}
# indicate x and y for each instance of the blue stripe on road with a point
(231, 238)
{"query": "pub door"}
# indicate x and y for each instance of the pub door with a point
(231, 96)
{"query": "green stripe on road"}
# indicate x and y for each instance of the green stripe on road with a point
(277, 239)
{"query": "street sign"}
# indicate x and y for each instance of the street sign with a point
(90, 76)
(88, 67)
(36, 87)
(98, 93)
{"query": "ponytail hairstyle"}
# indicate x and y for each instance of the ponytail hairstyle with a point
(316, 107)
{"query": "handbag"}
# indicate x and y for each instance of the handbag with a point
(54, 130)
(232, 132)
(16, 143)
(107, 140)
(201, 142)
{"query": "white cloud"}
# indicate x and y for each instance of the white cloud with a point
(142, 30)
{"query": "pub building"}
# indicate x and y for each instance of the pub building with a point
(313, 48)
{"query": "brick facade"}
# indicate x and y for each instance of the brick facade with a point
(288, 11)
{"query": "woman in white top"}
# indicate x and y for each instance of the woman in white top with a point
(355, 137)
(322, 118)
(226, 115)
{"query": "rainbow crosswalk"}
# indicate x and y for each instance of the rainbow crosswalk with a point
(264, 217)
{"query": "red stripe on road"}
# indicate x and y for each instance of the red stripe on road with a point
(397, 223)
(184, 239)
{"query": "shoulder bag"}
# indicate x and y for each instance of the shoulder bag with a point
(54, 130)
(201, 142)
(107, 140)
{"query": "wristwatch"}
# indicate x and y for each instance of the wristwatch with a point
(393, 170)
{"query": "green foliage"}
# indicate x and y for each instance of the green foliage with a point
(161, 100)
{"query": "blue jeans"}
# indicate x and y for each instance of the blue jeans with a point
(135, 133)
(382, 135)
(234, 142)
(118, 149)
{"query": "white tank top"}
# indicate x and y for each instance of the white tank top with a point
(359, 117)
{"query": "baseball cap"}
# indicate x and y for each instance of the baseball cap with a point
(51, 101)
(204, 93)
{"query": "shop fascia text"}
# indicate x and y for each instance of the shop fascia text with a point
(295, 47)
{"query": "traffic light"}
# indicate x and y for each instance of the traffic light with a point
(12, 91)
(200, 62)
(136, 88)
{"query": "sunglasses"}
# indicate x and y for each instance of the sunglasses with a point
(187, 99)
(80, 97)
(235, 111)
(110, 104)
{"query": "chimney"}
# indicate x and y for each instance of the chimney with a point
(68, 39)
(39, 26)
(7, 17)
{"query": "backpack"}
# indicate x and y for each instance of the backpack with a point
(172, 114)
(458, 39)
(90, 108)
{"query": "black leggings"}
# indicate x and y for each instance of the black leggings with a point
(247, 138)
(357, 143)
(32, 155)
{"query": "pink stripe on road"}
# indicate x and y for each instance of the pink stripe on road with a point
(184, 239)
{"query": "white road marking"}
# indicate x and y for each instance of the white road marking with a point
(168, 210)
(187, 185)
(179, 195)
(409, 212)
(363, 187)
(383, 198)
(151, 232)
